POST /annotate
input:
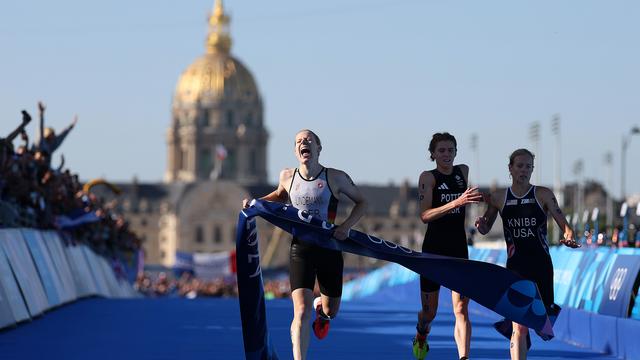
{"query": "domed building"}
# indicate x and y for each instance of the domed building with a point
(216, 147)
(217, 129)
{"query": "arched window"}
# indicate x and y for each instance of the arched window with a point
(217, 234)
(199, 235)
(204, 120)
(229, 118)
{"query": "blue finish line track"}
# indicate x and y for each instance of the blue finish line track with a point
(210, 329)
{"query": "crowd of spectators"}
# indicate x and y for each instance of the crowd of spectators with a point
(187, 285)
(34, 194)
(160, 284)
(615, 237)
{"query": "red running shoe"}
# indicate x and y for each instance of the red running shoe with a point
(320, 324)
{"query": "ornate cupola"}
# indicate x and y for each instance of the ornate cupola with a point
(217, 129)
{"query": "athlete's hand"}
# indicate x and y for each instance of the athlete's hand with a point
(245, 203)
(568, 239)
(471, 195)
(570, 243)
(481, 225)
(341, 232)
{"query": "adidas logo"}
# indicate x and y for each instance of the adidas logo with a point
(443, 187)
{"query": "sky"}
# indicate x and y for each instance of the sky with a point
(374, 78)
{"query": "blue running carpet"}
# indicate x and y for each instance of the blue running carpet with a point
(206, 328)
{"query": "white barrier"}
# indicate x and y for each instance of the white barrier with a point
(81, 272)
(25, 271)
(38, 272)
(97, 272)
(110, 278)
(55, 246)
(12, 306)
(42, 260)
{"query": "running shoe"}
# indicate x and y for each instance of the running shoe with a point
(420, 346)
(320, 324)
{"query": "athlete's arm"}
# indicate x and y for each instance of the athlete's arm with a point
(425, 194)
(341, 183)
(485, 222)
(281, 193)
(550, 205)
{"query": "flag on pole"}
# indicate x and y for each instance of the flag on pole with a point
(221, 152)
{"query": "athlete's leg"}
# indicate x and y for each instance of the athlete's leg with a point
(330, 267)
(302, 278)
(330, 305)
(462, 330)
(429, 301)
(518, 345)
(429, 308)
(302, 310)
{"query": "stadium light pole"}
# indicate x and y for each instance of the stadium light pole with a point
(578, 168)
(608, 161)
(623, 160)
(534, 135)
(475, 179)
(557, 183)
(476, 157)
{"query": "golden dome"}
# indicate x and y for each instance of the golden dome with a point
(216, 75)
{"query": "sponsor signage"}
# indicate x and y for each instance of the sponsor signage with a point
(618, 288)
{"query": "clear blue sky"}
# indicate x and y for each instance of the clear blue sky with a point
(374, 78)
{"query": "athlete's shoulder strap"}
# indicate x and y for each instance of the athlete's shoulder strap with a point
(507, 194)
(536, 199)
(293, 178)
(458, 171)
(326, 178)
(531, 192)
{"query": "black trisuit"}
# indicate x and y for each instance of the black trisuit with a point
(446, 235)
(307, 261)
(525, 231)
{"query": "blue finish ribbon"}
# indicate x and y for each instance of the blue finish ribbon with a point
(492, 286)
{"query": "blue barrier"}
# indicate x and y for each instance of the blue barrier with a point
(382, 278)
(597, 280)
(602, 281)
(597, 288)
